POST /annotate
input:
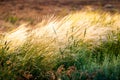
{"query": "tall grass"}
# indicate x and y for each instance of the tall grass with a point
(80, 46)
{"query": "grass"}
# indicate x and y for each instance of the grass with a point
(80, 46)
(11, 19)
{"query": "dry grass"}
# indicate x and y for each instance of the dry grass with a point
(86, 25)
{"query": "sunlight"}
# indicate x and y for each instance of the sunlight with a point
(80, 25)
(18, 36)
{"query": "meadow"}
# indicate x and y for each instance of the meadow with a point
(83, 45)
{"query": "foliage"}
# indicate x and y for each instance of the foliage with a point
(46, 57)
(11, 19)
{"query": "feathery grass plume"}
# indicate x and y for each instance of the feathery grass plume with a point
(88, 26)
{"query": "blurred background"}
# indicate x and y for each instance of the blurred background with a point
(16, 12)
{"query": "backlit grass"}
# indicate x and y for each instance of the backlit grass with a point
(83, 45)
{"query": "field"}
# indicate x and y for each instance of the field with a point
(75, 40)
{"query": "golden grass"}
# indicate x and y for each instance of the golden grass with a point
(85, 25)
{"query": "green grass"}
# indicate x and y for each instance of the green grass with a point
(11, 19)
(47, 57)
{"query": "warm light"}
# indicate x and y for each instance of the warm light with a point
(88, 26)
